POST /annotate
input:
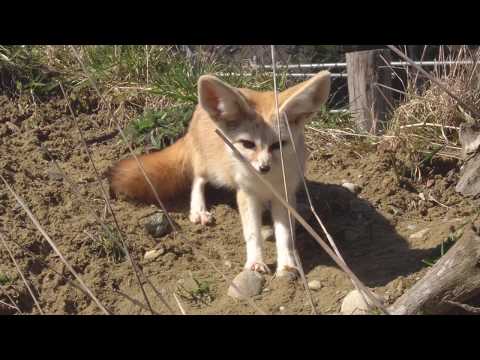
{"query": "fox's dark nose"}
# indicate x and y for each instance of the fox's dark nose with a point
(264, 168)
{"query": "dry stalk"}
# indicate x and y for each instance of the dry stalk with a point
(302, 221)
(135, 301)
(54, 247)
(179, 304)
(75, 190)
(105, 195)
(435, 81)
(160, 203)
(469, 308)
(285, 188)
(10, 306)
(21, 275)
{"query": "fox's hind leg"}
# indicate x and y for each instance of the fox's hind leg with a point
(198, 208)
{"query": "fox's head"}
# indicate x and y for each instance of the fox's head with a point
(249, 117)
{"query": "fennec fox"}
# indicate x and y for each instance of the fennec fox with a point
(248, 118)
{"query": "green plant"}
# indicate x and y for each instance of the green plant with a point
(109, 244)
(24, 69)
(452, 238)
(4, 279)
(196, 291)
(160, 128)
(332, 120)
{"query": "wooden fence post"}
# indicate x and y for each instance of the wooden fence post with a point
(369, 103)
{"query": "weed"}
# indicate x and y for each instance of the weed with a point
(332, 120)
(452, 238)
(4, 279)
(108, 244)
(195, 291)
(160, 128)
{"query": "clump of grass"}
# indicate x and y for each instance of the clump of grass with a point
(178, 79)
(23, 69)
(332, 120)
(195, 291)
(108, 244)
(5, 279)
(426, 123)
(160, 128)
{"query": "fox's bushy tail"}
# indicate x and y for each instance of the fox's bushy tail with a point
(169, 170)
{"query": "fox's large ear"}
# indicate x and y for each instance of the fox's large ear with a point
(220, 100)
(303, 100)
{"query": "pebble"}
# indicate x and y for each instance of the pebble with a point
(153, 254)
(352, 187)
(157, 225)
(315, 285)
(419, 235)
(228, 264)
(354, 304)
(411, 227)
(281, 308)
(249, 283)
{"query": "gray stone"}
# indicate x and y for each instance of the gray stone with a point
(157, 225)
(249, 283)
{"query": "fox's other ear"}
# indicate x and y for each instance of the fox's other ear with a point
(220, 100)
(305, 99)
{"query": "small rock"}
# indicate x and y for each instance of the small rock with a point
(153, 254)
(228, 264)
(411, 227)
(352, 187)
(420, 234)
(249, 283)
(157, 225)
(421, 196)
(281, 308)
(354, 304)
(267, 233)
(315, 285)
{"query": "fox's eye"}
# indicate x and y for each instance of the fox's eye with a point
(247, 144)
(276, 146)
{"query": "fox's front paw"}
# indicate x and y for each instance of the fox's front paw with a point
(258, 266)
(201, 217)
(288, 272)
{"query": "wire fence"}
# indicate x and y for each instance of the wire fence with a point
(298, 63)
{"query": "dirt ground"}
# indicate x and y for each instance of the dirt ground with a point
(372, 229)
